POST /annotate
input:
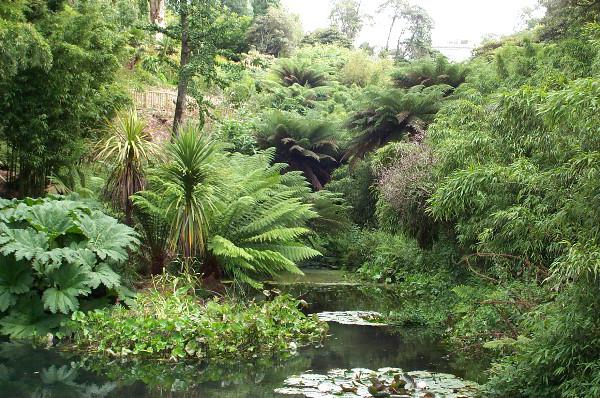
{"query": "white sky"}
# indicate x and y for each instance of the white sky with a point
(455, 20)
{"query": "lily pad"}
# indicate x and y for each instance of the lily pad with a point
(358, 318)
(353, 383)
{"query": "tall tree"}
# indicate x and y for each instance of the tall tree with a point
(275, 33)
(240, 7)
(346, 16)
(414, 38)
(261, 7)
(416, 42)
(394, 8)
(205, 29)
(157, 15)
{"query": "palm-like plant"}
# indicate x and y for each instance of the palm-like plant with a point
(391, 115)
(128, 148)
(258, 223)
(430, 72)
(306, 144)
(189, 184)
(290, 72)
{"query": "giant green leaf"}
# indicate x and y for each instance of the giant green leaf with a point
(28, 319)
(104, 275)
(69, 282)
(106, 237)
(15, 278)
(23, 243)
(52, 218)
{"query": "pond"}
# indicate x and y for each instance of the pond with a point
(27, 372)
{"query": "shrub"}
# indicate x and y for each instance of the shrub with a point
(54, 253)
(356, 183)
(171, 323)
(405, 186)
(359, 69)
(557, 353)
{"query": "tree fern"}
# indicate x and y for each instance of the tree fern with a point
(390, 115)
(306, 144)
(258, 225)
(151, 217)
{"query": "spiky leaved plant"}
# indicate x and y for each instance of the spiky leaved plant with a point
(189, 184)
(306, 144)
(290, 72)
(390, 115)
(127, 149)
(257, 227)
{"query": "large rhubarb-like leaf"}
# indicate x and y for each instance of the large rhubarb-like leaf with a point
(51, 218)
(104, 275)
(23, 243)
(28, 319)
(106, 237)
(15, 278)
(69, 282)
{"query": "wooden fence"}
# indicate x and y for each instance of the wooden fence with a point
(161, 101)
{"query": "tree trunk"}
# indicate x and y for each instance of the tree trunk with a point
(183, 73)
(157, 16)
(312, 177)
(387, 43)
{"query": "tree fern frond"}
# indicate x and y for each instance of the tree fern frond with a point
(279, 235)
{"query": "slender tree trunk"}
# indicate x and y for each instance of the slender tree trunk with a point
(183, 73)
(157, 16)
(387, 43)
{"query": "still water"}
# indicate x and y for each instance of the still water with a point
(28, 372)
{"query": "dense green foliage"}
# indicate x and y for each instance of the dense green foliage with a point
(237, 213)
(470, 187)
(275, 33)
(58, 88)
(57, 255)
(170, 322)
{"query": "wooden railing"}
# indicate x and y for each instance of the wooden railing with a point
(162, 101)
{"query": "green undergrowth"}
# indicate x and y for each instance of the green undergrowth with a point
(173, 323)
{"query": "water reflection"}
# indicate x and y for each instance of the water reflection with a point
(27, 372)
